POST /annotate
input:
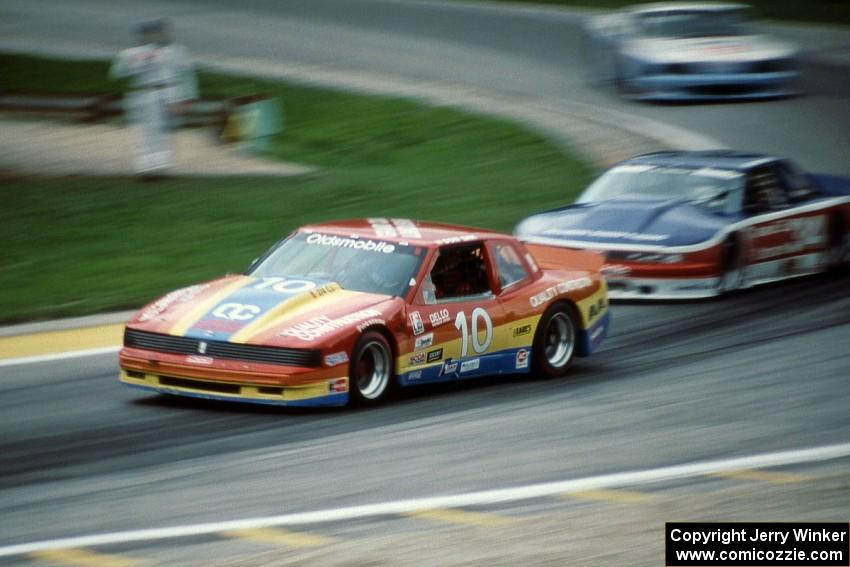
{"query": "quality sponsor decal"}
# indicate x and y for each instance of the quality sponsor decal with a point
(424, 341)
(336, 358)
(440, 317)
(435, 355)
(195, 359)
(469, 365)
(317, 327)
(522, 330)
(522, 358)
(163, 303)
(353, 243)
(416, 359)
(565, 286)
(416, 323)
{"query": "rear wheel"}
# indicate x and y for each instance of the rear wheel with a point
(731, 267)
(371, 369)
(555, 341)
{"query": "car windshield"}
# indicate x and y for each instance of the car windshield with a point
(358, 264)
(716, 190)
(694, 23)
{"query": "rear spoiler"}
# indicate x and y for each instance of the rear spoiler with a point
(559, 258)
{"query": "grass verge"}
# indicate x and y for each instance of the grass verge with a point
(80, 245)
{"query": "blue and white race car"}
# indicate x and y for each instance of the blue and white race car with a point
(688, 51)
(682, 225)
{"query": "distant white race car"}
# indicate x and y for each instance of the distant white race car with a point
(688, 51)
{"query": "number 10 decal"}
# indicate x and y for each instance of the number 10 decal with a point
(460, 325)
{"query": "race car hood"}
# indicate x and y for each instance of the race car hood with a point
(265, 311)
(616, 222)
(720, 49)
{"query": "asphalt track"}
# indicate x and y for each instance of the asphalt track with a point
(764, 370)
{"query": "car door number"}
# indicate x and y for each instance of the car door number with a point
(478, 314)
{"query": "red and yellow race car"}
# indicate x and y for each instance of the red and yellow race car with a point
(347, 311)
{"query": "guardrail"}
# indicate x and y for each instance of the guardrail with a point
(245, 118)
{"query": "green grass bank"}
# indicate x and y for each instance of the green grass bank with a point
(80, 245)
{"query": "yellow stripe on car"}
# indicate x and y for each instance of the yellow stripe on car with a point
(185, 323)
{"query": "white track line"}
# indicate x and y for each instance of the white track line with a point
(58, 356)
(496, 496)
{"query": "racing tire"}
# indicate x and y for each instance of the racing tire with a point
(370, 372)
(731, 267)
(555, 341)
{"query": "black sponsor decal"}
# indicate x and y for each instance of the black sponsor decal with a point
(520, 331)
(435, 355)
(597, 308)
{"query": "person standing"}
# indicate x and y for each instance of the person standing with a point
(162, 83)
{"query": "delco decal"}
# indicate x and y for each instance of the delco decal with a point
(336, 359)
(469, 365)
(424, 341)
(416, 323)
(354, 243)
(440, 317)
(435, 355)
(163, 303)
(320, 326)
(565, 286)
(522, 358)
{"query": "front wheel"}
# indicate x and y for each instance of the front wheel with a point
(371, 369)
(555, 341)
